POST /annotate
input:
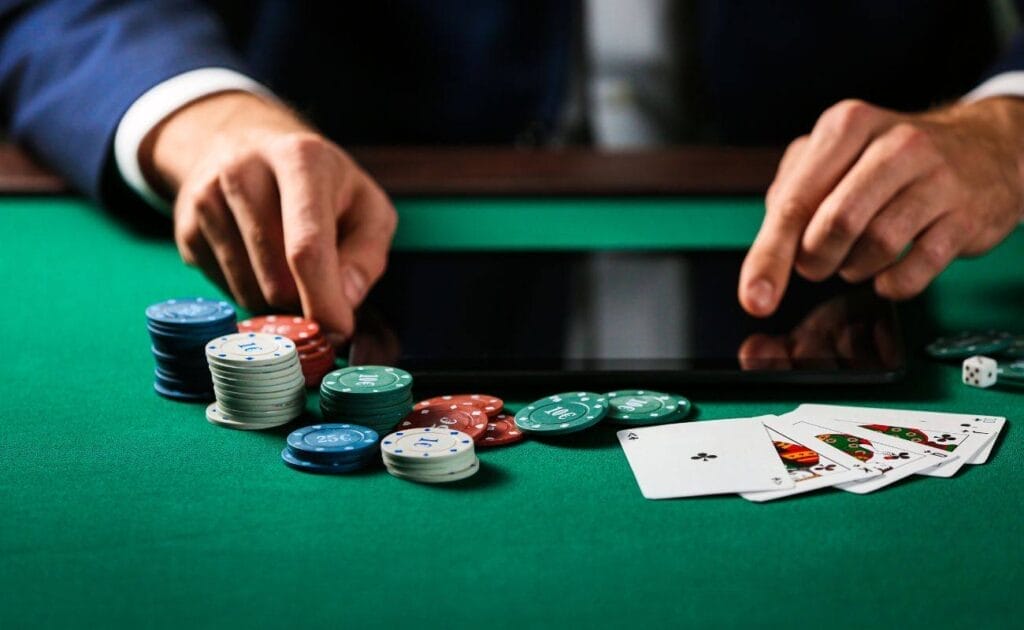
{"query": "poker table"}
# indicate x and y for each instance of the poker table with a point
(121, 508)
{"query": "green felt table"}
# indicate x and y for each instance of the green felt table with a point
(119, 508)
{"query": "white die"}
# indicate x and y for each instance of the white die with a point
(980, 371)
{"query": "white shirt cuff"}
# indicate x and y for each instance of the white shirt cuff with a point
(1002, 84)
(158, 103)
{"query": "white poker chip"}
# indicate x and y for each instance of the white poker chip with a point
(251, 348)
(458, 475)
(426, 443)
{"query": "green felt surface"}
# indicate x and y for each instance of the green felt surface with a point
(121, 509)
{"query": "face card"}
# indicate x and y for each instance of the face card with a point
(893, 461)
(971, 437)
(700, 458)
(809, 467)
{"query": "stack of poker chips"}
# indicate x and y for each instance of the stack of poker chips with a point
(480, 416)
(257, 381)
(179, 330)
(316, 355)
(331, 448)
(373, 396)
(430, 455)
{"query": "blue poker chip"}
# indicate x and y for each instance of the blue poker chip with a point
(336, 468)
(190, 312)
(168, 391)
(333, 442)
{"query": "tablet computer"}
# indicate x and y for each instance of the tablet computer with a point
(618, 319)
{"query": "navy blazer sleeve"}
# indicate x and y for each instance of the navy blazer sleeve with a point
(1012, 60)
(69, 69)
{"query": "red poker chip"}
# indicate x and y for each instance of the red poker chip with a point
(501, 430)
(472, 422)
(491, 405)
(317, 354)
(298, 329)
(312, 343)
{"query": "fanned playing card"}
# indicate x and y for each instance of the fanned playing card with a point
(809, 466)
(701, 458)
(894, 459)
(970, 437)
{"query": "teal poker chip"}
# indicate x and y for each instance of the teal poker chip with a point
(562, 413)
(1012, 371)
(1015, 349)
(969, 343)
(366, 380)
(641, 406)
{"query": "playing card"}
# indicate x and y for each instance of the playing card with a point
(971, 437)
(894, 459)
(700, 458)
(809, 466)
(913, 440)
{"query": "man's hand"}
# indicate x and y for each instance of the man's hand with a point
(273, 212)
(875, 193)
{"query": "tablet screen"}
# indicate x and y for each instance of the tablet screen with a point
(672, 314)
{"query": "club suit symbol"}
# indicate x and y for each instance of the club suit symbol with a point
(704, 457)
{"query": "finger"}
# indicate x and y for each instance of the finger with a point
(220, 231)
(834, 145)
(889, 164)
(366, 228)
(889, 233)
(929, 255)
(310, 189)
(205, 260)
(763, 352)
(251, 194)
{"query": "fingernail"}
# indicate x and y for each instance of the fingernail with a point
(355, 285)
(762, 295)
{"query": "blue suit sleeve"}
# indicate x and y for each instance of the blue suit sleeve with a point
(1012, 60)
(69, 69)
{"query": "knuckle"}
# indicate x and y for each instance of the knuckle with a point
(301, 147)
(306, 251)
(791, 211)
(846, 116)
(907, 138)
(936, 253)
(884, 241)
(841, 224)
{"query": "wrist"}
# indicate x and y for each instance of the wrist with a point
(998, 120)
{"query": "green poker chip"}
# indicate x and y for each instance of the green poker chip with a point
(967, 344)
(642, 406)
(1013, 371)
(562, 413)
(1015, 349)
(367, 380)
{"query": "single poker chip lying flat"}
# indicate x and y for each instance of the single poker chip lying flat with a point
(568, 412)
(640, 406)
(501, 430)
(968, 344)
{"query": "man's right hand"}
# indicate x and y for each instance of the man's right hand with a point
(273, 212)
